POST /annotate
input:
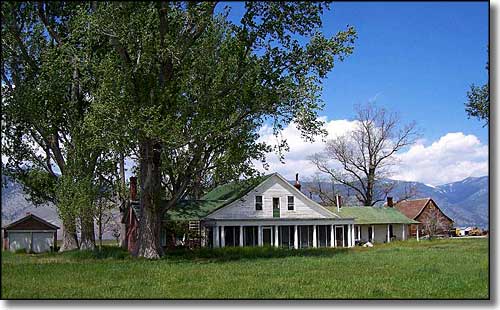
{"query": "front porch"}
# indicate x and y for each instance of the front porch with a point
(287, 233)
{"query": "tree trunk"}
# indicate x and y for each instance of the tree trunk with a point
(87, 239)
(150, 217)
(124, 205)
(69, 237)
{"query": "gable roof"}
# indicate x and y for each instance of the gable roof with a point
(375, 215)
(413, 208)
(31, 216)
(190, 210)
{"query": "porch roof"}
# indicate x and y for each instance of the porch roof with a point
(374, 215)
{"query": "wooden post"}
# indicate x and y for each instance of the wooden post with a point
(222, 237)
(295, 237)
(373, 233)
(349, 236)
(332, 236)
(353, 236)
(403, 236)
(388, 234)
(216, 236)
(241, 235)
(417, 233)
(315, 239)
(259, 236)
(276, 240)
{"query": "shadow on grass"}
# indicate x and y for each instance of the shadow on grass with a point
(247, 253)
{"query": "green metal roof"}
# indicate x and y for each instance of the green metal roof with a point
(373, 215)
(191, 210)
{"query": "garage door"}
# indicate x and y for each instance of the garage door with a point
(42, 241)
(19, 240)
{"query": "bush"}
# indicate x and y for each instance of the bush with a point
(22, 251)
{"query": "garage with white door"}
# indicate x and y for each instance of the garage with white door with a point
(31, 233)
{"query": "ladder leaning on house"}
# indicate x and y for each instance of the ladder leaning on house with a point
(194, 240)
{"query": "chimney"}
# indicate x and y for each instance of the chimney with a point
(338, 202)
(297, 183)
(133, 188)
(390, 203)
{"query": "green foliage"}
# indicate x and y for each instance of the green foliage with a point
(478, 104)
(450, 269)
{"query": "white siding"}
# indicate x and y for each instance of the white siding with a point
(274, 187)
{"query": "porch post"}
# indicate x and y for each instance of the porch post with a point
(259, 235)
(241, 235)
(353, 236)
(295, 237)
(222, 237)
(403, 236)
(373, 233)
(349, 235)
(215, 235)
(388, 234)
(315, 239)
(359, 232)
(276, 240)
(332, 236)
(417, 233)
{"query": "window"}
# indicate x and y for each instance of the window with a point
(258, 202)
(290, 202)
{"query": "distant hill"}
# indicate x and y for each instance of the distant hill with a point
(466, 201)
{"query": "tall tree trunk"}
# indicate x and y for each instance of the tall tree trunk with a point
(150, 217)
(69, 237)
(87, 238)
(123, 205)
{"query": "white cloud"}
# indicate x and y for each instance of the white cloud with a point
(453, 157)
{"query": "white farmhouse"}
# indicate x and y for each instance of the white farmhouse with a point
(270, 211)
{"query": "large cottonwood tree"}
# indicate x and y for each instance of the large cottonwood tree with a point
(188, 90)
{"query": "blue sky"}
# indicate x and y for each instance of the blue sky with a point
(417, 59)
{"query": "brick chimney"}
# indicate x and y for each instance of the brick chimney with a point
(297, 183)
(133, 188)
(390, 202)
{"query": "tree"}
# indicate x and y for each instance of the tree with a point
(478, 103)
(47, 94)
(365, 154)
(188, 90)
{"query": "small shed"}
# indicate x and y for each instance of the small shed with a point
(32, 233)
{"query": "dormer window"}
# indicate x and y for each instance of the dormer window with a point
(291, 203)
(258, 202)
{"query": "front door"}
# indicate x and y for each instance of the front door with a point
(339, 236)
(276, 207)
(267, 236)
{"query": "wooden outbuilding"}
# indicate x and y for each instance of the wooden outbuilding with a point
(32, 233)
(424, 210)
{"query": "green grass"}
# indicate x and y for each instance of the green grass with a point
(410, 269)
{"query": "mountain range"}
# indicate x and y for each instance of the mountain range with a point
(465, 201)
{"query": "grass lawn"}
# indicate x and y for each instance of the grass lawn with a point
(409, 269)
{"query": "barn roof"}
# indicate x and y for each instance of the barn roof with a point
(412, 208)
(31, 216)
(374, 215)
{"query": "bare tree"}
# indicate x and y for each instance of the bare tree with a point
(434, 223)
(366, 153)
